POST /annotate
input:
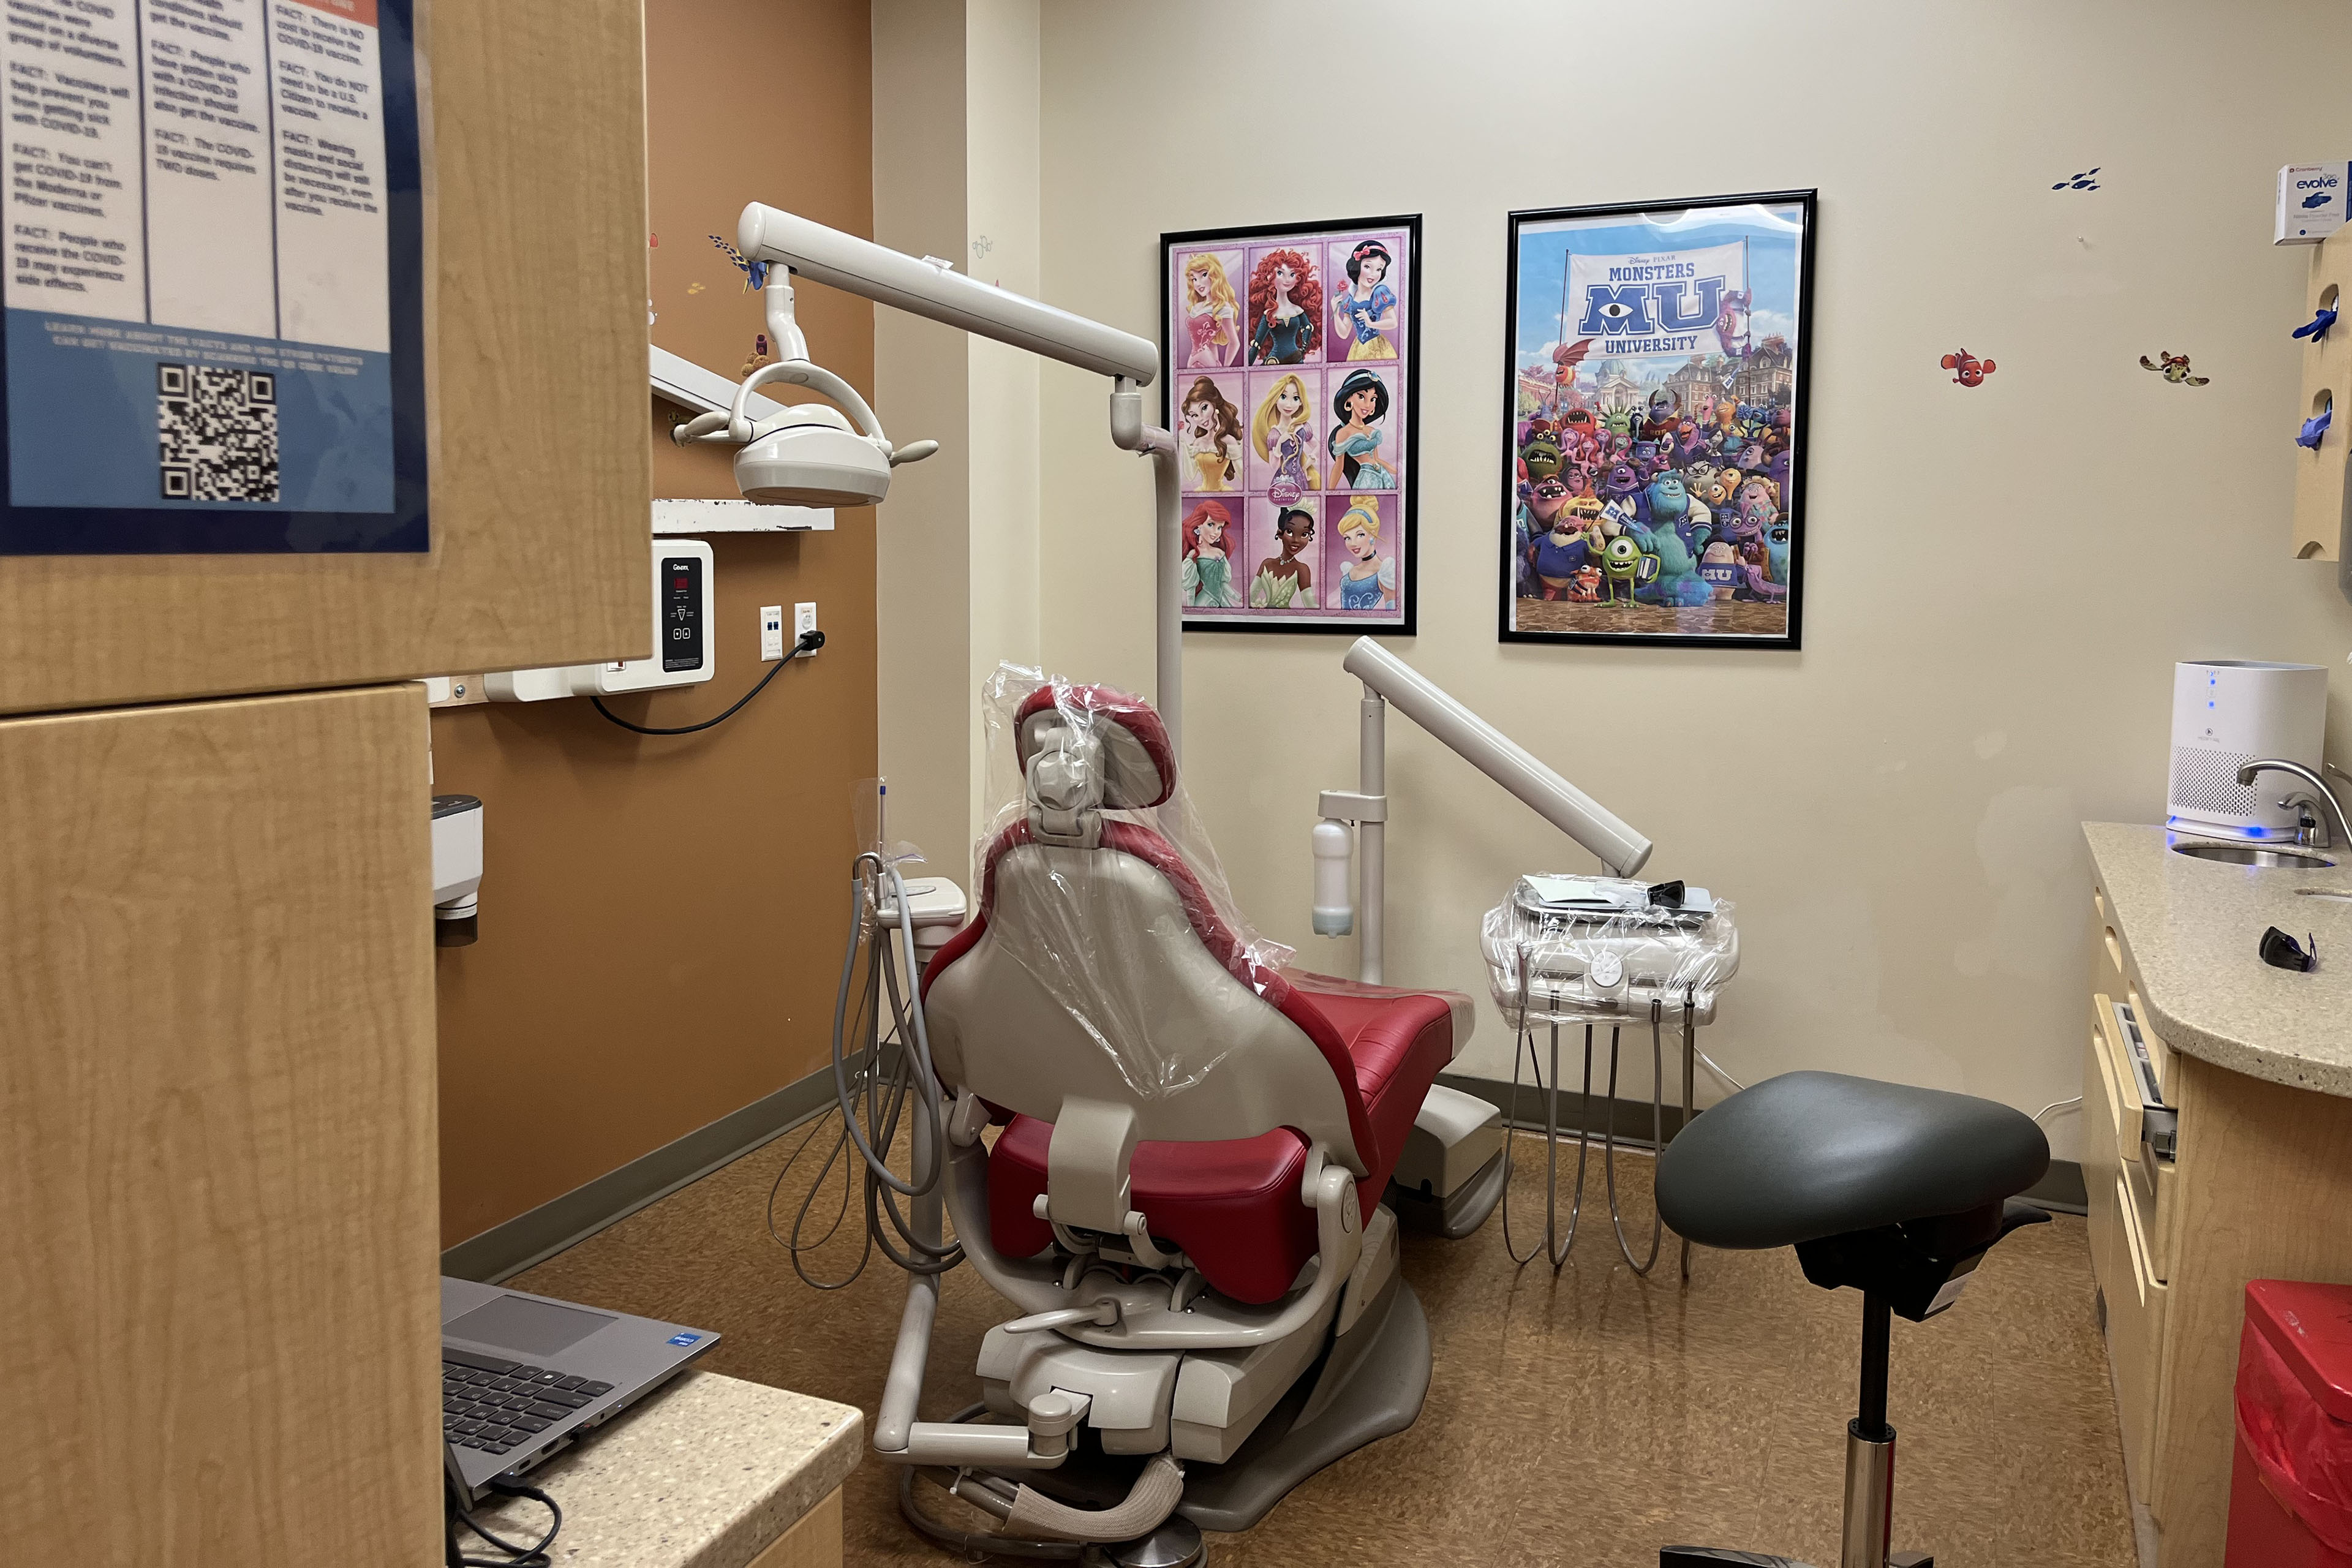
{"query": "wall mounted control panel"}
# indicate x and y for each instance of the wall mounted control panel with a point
(684, 653)
(679, 581)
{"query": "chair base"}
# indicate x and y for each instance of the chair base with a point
(1701, 1556)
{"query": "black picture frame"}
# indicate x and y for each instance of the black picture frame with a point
(1689, 629)
(1403, 621)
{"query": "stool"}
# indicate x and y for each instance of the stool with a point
(1896, 1191)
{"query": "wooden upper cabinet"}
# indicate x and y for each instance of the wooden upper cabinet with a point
(535, 240)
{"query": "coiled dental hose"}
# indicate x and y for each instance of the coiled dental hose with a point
(871, 1086)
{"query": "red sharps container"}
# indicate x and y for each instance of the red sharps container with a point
(2290, 1486)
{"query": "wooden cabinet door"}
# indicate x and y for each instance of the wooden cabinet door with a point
(217, 1143)
(536, 397)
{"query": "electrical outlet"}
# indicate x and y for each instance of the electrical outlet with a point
(803, 620)
(771, 632)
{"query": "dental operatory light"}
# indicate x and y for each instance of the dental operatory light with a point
(814, 456)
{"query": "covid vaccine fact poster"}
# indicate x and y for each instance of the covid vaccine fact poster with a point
(213, 290)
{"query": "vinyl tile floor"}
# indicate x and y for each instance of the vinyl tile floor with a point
(1586, 1416)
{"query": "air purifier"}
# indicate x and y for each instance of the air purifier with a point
(2227, 712)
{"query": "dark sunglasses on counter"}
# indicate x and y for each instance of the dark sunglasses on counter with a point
(2279, 952)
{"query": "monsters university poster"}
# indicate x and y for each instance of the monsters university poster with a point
(1654, 448)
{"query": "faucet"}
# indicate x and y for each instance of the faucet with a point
(2319, 792)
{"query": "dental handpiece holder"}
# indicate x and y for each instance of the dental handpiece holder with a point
(1575, 950)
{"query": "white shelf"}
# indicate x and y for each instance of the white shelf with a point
(703, 517)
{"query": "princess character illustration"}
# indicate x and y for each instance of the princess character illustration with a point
(1283, 438)
(1211, 313)
(1208, 578)
(1285, 581)
(1366, 311)
(1368, 582)
(1210, 432)
(1286, 301)
(1362, 403)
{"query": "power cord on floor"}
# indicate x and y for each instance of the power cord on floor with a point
(534, 1556)
(808, 643)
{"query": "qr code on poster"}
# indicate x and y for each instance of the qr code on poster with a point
(220, 430)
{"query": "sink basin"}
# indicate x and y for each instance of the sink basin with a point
(2247, 855)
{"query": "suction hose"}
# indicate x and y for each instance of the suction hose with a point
(1149, 1502)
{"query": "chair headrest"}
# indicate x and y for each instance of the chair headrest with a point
(1137, 764)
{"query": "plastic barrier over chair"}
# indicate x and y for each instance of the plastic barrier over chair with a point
(2291, 1488)
(1090, 767)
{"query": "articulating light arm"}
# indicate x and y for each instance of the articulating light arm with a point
(787, 243)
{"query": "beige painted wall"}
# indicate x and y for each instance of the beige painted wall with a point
(956, 175)
(1999, 579)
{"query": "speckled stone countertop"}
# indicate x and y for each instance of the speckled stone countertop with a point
(705, 1474)
(2192, 925)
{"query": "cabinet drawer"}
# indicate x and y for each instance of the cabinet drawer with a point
(2151, 1183)
(2160, 1054)
(2136, 1305)
(2125, 1089)
(2107, 973)
(2102, 1169)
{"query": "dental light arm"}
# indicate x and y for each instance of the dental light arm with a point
(1388, 680)
(814, 455)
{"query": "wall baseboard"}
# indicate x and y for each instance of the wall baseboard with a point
(2061, 1191)
(538, 1234)
(532, 1238)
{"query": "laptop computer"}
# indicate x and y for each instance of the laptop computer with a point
(523, 1376)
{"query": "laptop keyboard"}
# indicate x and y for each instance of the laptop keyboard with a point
(499, 1405)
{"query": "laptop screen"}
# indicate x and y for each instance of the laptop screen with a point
(526, 1327)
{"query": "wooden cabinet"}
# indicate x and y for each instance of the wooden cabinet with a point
(541, 476)
(2259, 1187)
(217, 1148)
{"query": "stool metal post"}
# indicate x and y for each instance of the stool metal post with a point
(1870, 1449)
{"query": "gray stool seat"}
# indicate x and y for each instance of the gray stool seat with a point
(1814, 1155)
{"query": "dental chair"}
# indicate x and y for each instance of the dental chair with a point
(1183, 1197)
(1894, 1191)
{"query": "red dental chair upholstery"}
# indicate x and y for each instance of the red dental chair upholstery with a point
(1231, 1204)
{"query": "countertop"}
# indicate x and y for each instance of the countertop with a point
(705, 1474)
(2191, 927)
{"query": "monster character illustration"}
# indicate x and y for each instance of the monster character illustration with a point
(2173, 369)
(1560, 547)
(1586, 588)
(1627, 567)
(1208, 577)
(1211, 314)
(1731, 322)
(1286, 301)
(1718, 568)
(1666, 504)
(1354, 444)
(1210, 431)
(1676, 581)
(1368, 582)
(1621, 483)
(1541, 455)
(1283, 582)
(1365, 313)
(1565, 358)
(1282, 434)
(1664, 412)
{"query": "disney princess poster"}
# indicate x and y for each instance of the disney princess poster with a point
(1292, 360)
(1655, 439)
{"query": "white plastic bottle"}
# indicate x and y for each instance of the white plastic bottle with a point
(1334, 846)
